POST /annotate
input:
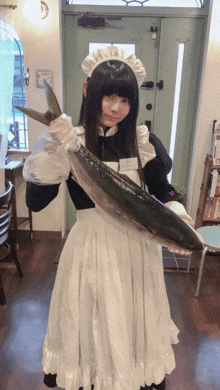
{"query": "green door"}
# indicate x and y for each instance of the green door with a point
(180, 60)
(129, 30)
(160, 57)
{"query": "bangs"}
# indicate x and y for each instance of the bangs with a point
(122, 87)
(115, 77)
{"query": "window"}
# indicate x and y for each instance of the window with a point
(128, 47)
(143, 3)
(14, 121)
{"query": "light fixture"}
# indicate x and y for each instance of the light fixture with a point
(44, 10)
(8, 6)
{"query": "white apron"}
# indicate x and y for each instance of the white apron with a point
(109, 321)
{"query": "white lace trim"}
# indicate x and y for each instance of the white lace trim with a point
(114, 53)
(151, 371)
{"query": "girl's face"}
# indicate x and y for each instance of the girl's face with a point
(114, 110)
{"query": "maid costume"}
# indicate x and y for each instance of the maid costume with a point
(109, 325)
(109, 321)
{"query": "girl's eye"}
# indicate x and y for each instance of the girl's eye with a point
(127, 101)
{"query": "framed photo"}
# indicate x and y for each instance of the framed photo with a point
(44, 74)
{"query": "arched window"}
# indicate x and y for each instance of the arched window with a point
(13, 122)
(143, 3)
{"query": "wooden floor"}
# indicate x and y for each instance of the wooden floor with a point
(23, 320)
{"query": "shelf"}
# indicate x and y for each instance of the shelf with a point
(200, 220)
(211, 220)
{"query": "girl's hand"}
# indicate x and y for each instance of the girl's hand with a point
(186, 218)
(64, 133)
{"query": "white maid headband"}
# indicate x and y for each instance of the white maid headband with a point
(114, 53)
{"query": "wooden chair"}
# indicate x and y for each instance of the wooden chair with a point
(6, 237)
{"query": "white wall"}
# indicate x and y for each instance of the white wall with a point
(209, 108)
(41, 44)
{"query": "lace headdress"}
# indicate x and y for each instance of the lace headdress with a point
(114, 53)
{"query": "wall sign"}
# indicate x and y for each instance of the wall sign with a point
(44, 75)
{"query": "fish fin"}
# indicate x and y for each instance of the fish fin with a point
(53, 108)
(38, 116)
(51, 99)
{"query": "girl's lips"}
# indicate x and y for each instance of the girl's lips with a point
(112, 118)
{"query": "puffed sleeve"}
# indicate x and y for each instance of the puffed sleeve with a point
(145, 148)
(156, 164)
(156, 170)
(49, 161)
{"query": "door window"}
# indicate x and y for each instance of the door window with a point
(179, 71)
(143, 3)
(128, 47)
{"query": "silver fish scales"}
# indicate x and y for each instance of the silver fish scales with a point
(118, 196)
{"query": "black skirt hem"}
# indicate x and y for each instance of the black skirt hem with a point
(50, 381)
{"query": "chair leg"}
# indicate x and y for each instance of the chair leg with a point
(200, 271)
(189, 263)
(2, 294)
(14, 254)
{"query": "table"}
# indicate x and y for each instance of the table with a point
(12, 170)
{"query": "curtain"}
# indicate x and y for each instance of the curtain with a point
(6, 89)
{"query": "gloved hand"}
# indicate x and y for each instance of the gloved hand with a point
(64, 134)
(180, 210)
(186, 218)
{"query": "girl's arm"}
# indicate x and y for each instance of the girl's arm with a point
(39, 196)
(156, 170)
(49, 162)
(156, 164)
(155, 173)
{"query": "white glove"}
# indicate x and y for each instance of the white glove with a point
(49, 162)
(180, 210)
(64, 134)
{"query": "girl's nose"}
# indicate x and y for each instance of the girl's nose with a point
(115, 106)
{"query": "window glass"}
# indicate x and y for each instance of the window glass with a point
(144, 3)
(128, 47)
(15, 120)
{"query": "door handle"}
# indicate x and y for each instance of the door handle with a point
(160, 84)
(148, 124)
(147, 84)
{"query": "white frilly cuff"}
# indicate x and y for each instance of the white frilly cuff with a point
(146, 149)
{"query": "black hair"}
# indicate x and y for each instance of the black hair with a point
(111, 77)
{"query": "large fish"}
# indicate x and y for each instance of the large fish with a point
(120, 197)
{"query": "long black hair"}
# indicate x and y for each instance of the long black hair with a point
(111, 77)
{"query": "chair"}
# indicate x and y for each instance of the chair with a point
(211, 236)
(6, 236)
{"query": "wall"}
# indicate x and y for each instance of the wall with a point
(41, 44)
(209, 108)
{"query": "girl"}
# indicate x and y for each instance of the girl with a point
(109, 322)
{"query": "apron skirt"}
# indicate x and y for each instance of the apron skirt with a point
(109, 321)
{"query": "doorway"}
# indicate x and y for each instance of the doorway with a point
(160, 54)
